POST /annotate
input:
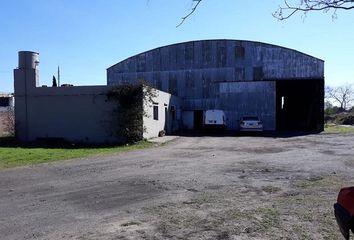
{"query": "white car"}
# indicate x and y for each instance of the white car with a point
(214, 118)
(251, 123)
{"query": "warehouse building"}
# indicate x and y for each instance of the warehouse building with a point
(283, 87)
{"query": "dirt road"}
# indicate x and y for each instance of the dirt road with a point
(191, 188)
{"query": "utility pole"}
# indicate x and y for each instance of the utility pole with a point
(58, 75)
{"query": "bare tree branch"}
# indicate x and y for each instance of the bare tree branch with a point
(196, 4)
(343, 95)
(288, 10)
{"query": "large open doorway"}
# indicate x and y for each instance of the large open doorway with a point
(198, 119)
(300, 105)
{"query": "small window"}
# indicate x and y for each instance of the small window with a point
(156, 112)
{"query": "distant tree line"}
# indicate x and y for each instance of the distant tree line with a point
(339, 103)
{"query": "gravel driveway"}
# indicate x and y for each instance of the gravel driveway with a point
(233, 187)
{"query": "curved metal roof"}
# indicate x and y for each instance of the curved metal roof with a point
(242, 43)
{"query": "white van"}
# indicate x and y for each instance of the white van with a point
(214, 118)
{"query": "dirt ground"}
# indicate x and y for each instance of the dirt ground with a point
(191, 188)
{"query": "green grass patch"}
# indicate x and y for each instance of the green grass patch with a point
(312, 209)
(14, 156)
(332, 128)
(270, 217)
(319, 182)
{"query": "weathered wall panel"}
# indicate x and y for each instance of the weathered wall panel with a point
(276, 62)
(249, 99)
(197, 72)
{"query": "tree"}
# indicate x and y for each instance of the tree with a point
(305, 6)
(330, 109)
(54, 82)
(130, 110)
(343, 95)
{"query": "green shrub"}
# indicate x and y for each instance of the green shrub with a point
(333, 110)
(129, 112)
(344, 119)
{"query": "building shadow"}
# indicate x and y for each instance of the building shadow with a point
(227, 133)
(52, 143)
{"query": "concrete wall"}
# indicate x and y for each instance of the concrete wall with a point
(76, 114)
(165, 103)
(83, 114)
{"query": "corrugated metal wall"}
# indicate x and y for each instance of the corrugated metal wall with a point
(236, 76)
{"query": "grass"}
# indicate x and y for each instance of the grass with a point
(332, 128)
(14, 155)
(313, 207)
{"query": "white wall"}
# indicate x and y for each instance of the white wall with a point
(163, 100)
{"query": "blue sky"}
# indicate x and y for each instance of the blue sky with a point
(86, 37)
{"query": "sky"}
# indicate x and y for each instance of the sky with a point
(87, 37)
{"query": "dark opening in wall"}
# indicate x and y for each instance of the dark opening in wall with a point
(156, 112)
(300, 105)
(198, 120)
(4, 101)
